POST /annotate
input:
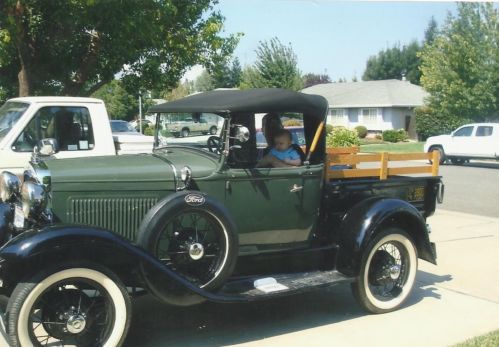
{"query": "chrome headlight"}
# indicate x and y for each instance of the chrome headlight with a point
(9, 185)
(34, 199)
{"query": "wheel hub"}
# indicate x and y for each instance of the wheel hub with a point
(395, 272)
(76, 323)
(196, 251)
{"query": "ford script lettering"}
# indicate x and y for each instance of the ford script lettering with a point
(194, 199)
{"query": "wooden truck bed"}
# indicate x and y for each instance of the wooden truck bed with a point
(343, 163)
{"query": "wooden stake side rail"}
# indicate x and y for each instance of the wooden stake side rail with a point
(338, 158)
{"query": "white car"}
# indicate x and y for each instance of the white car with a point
(471, 141)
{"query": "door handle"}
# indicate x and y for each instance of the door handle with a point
(296, 188)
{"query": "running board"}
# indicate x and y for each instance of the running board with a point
(258, 288)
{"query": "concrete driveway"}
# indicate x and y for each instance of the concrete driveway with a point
(451, 302)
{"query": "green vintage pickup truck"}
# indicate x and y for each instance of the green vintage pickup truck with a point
(200, 219)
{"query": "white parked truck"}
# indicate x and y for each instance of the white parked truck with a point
(80, 126)
(470, 141)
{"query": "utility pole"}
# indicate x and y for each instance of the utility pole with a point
(140, 112)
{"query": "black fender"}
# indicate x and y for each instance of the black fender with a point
(365, 219)
(6, 221)
(32, 251)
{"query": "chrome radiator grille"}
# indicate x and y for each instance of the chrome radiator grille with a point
(121, 215)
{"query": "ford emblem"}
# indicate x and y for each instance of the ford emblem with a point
(194, 199)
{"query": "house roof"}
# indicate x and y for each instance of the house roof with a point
(384, 93)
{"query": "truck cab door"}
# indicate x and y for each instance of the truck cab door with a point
(460, 141)
(276, 208)
(485, 141)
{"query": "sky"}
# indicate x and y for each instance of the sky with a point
(332, 37)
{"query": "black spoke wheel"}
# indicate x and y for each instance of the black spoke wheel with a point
(214, 144)
(77, 306)
(194, 243)
(387, 273)
(193, 235)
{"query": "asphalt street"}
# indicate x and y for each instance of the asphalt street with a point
(472, 188)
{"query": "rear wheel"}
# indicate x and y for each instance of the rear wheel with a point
(388, 271)
(458, 161)
(185, 132)
(81, 306)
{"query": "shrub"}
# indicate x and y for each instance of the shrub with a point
(395, 135)
(342, 137)
(329, 128)
(148, 130)
(428, 123)
(361, 130)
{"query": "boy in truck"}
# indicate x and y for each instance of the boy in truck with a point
(282, 154)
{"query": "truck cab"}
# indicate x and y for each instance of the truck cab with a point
(80, 126)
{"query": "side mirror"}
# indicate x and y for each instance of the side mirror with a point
(48, 146)
(241, 133)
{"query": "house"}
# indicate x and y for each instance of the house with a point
(377, 105)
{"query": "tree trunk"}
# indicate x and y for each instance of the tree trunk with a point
(24, 81)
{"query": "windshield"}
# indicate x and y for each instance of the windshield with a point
(10, 113)
(122, 127)
(189, 129)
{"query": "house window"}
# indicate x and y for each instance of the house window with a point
(337, 116)
(369, 116)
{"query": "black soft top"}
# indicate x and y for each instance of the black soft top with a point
(248, 101)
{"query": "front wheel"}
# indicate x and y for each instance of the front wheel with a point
(81, 306)
(387, 273)
(441, 153)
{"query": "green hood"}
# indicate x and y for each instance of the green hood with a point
(128, 172)
(124, 172)
(201, 163)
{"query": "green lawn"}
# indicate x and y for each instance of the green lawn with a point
(488, 340)
(393, 147)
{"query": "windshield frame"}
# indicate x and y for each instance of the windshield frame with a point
(16, 115)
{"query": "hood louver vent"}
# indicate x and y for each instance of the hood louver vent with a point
(120, 215)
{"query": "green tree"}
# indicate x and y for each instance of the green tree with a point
(431, 31)
(182, 90)
(395, 62)
(75, 47)
(311, 79)
(276, 67)
(119, 103)
(204, 82)
(461, 67)
(227, 74)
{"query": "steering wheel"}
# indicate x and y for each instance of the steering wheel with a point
(214, 144)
